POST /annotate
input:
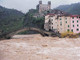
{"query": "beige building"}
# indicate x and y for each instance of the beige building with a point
(63, 24)
(58, 23)
(51, 22)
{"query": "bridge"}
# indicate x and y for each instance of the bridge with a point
(42, 32)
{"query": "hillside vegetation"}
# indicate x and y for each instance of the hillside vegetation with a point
(30, 21)
(72, 9)
(10, 19)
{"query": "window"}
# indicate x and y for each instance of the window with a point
(72, 21)
(61, 23)
(77, 29)
(77, 16)
(66, 21)
(72, 17)
(52, 23)
(60, 19)
(73, 25)
(49, 21)
(52, 27)
(66, 18)
(77, 21)
(77, 25)
(68, 30)
(68, 25)
(72, 30)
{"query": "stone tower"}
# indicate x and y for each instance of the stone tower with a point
(43, 7)
(49, 4)
(40, 2)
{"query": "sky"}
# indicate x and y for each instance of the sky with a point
(25, 5)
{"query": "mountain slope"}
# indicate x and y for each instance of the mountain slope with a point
(10, 19)
(72, 9)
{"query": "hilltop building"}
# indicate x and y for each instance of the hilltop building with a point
(43, 7)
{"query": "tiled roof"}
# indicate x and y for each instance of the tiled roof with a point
(75, 15)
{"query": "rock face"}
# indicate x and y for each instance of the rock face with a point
(36, 47)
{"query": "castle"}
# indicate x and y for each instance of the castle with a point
(43, 7)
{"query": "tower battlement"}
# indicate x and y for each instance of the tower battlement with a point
(43, 7)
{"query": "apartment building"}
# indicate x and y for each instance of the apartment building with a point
(51, 22)
(63, 23)
(75, 23)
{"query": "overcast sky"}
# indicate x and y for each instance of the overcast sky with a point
(25, 5)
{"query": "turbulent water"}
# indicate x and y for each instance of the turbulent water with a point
(36, 47)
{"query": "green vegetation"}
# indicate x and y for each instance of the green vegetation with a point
(72, 9)
(30, 21)
(10, 20)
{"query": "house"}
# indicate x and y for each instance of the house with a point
(63, 23)
(50, 22)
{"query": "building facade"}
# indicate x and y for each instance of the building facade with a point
(43, 7)
(62, 23)
(50, 22)
(75, 23)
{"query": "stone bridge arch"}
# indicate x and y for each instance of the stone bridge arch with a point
(30, 29)
(42, 32)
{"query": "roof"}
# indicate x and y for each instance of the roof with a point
(51, 14)
(75, 15)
